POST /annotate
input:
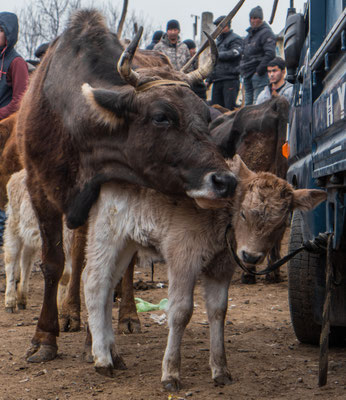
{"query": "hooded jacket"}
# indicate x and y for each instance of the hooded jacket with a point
(259, 50)
(13, 68)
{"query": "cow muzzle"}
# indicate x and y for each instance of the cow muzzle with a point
(215, 189)
(250, 258)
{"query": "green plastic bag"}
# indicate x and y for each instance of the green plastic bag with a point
(144, 306)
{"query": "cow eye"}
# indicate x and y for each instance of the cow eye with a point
(160, 119)
(242, 215)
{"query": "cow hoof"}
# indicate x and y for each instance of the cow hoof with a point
(105, 371)
(43, 353)
(171, 385)
(21, 306)
(10, 310)
(273, 279)
(118, 362)
(129, 325)
(223, 380)
(248, 279)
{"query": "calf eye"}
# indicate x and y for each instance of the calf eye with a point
(160, 119)
(242, 215)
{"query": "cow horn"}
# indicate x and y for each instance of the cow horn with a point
(206, 69)
(125, 60)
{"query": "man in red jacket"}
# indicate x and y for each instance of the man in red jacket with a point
(13, 68)
(13, 76)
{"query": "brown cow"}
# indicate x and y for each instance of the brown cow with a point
(193, 243)
(151, 130)
(257, 134)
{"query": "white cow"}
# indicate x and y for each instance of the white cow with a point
(192, 242)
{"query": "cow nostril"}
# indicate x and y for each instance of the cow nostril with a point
(250, 258)
(224, 184)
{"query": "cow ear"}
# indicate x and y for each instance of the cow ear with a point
(307, 199)
(239, 168)
(109, 105)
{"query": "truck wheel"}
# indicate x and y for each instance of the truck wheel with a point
(302, 278)
(301, 281)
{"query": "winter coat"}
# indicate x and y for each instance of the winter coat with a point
(259, 50)
(177, 53)
(229, 46)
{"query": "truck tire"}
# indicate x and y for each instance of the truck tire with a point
(302, 278)
(301, 282)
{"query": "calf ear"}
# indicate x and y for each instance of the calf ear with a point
(109, 105)
(239, 168)
(307, 199)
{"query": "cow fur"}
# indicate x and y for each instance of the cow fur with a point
(192, 242)
(73, 140)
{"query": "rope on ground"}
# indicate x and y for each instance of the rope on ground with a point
(324, 338)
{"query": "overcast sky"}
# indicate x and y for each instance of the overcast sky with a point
(158, 12)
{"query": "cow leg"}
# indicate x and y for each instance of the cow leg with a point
(180, 308)
(216, 297)
(12, 250)
(99, 278)
(44, 346)
(26, 263)
(128, 318)
(70, 308)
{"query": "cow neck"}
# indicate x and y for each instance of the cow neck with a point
(161, 82)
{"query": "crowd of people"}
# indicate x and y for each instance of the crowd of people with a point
(251, 60)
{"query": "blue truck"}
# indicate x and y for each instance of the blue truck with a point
(315, 53)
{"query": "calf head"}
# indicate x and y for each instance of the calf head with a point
(261, 209)
(158, 131)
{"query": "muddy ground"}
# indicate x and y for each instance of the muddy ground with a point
(265, 359)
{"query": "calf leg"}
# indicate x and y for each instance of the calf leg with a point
(216, 297)
(26, 263)
(70, 307)
(180, 308)
(128, 318)
(12, 250)
(100, 278)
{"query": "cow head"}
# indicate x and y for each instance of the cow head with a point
(158, 130)
(261, 209)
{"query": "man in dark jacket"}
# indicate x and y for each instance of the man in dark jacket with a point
(14, 75)
(225, 76)
(259, 50)
(155, 39)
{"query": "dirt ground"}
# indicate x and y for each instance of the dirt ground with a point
(264, 357)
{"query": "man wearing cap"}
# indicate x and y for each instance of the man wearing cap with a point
(225, 76)
(170, 44)
(259, 50)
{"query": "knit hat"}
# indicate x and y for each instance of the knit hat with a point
(190, 44)
(256, 12)
(219, 19)
(157, 36)
(173, 24)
